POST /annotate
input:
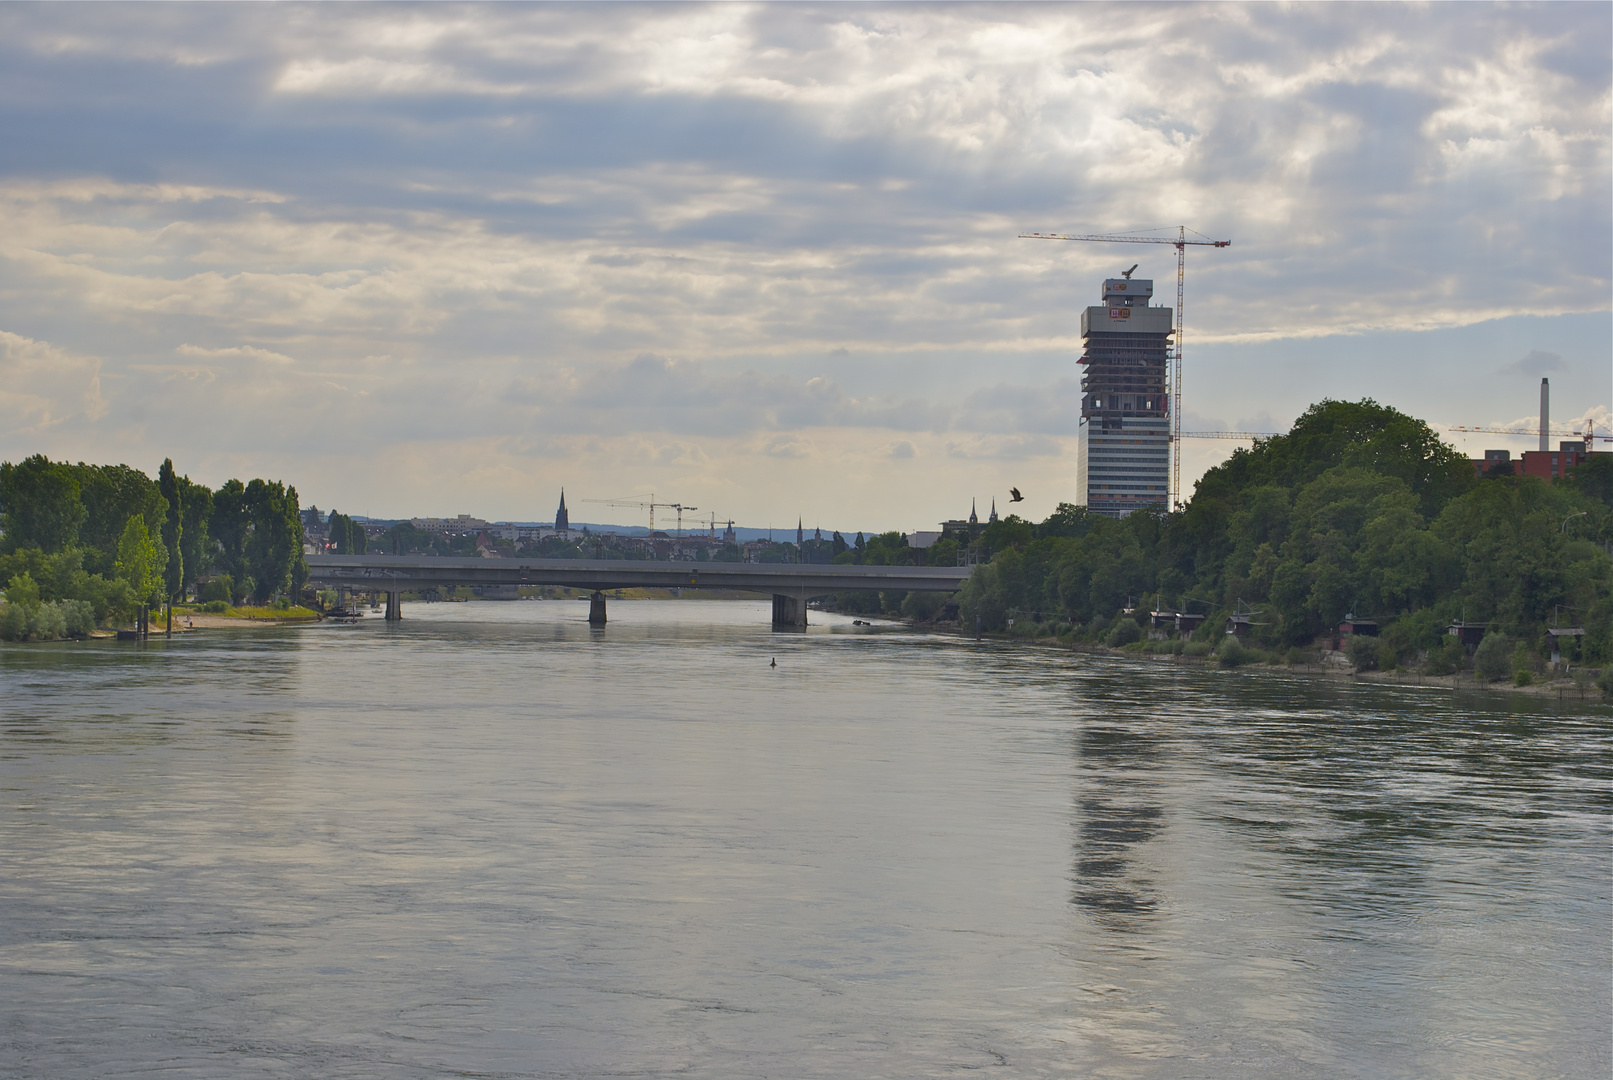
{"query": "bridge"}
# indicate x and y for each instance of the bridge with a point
(790, 584)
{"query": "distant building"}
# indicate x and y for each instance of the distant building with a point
(1547, 465)
(1124, 444)
(922, 539)
(562, 521)
(993, 516)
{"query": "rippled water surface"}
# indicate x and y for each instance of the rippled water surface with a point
(492, 842)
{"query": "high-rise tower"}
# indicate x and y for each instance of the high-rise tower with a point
(1125, 442)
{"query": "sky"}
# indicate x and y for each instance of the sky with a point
(764, 260)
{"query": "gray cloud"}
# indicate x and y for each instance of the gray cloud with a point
(1539, 362)
(462, 230)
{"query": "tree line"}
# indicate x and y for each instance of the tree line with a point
(92, 542)
(1359, 510)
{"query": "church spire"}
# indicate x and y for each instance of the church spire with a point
(974, 518)
(993, 516)
(562, 521)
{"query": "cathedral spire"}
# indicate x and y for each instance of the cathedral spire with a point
(562, 521)
(993, 516)
(974, 518)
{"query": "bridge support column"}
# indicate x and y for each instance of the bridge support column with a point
(789, 610)
(596, 609)
(394, 606)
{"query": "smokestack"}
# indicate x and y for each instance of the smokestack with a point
(1545, 413)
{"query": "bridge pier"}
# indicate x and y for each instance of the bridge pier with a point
(394, 606)
(789, 610)
(596, 609)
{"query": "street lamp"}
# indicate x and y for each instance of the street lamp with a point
(1569, 518)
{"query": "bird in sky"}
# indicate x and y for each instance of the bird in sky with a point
(1015, 496)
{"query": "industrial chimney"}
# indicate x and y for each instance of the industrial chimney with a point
(1545, 413)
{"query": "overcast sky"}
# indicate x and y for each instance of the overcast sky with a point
(763, 260)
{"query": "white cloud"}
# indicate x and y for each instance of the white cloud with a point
(798, 221)
(42, 386)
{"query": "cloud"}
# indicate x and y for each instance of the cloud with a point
(42, 386)
(900, 450)
(561, 233)
(1006, 448)
(1538, 362)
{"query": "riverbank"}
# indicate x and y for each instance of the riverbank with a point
(1331, 666)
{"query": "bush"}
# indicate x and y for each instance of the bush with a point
(1388, 656)
(1523, 677)
(921, 605)
(1363, 653)
(216, 607)
(1490, 659)
(1604, 681)
(1232, 653)
(1446, 658)
(79, 617)
(1125, 632)
(1196, 648)
(217, 589)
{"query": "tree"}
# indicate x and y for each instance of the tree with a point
(196, 545)
(111, 494)
(140, 560)
(228, 525)
(173, 529)
(41, 505)
(273, 541)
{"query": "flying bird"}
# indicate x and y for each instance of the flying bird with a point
(1015, 496)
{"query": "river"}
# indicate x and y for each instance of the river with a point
(492, 842)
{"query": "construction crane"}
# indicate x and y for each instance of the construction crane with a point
(1588, 434)
(1455, 429)
(648, 502)
(1181, 243)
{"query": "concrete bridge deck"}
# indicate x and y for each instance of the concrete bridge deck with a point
(791, 585)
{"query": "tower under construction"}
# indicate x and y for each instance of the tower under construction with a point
(1125, 442)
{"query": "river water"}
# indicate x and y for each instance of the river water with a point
(491, 842)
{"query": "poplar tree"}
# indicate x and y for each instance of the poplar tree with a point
(173, 529)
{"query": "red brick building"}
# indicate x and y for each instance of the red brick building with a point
(1548, 465)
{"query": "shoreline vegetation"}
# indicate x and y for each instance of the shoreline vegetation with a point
(1359, 537)
(1578, 683)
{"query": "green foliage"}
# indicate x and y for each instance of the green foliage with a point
(41, 505)
(1604, 680)
(140, 560)
(349, 538)
(258, 528)
(1125, 632)
(1233, 653)
(195, 543)
(1523, 677)
(1196, 648)
(1490, 661)
(1445, 658)
(112, 494)
(22, 589)
(922, 605)
(173, 524)
(24, 617)
(1360, 510)
(1362, 653)
(1593, 478)
(216, 607)
(219, 589)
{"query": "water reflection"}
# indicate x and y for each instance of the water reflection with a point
(492, 841)
(1118, 811)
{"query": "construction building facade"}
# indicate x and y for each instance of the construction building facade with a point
(1124, 460)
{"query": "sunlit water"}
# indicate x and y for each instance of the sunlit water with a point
(492, 842)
